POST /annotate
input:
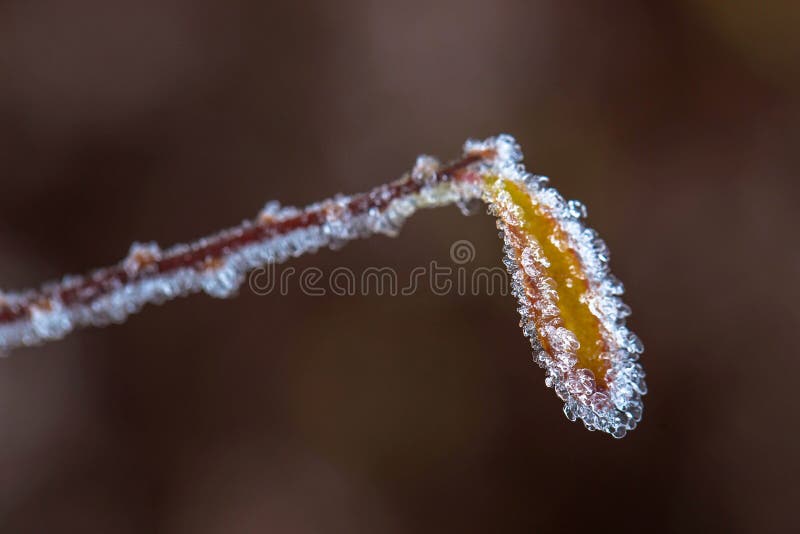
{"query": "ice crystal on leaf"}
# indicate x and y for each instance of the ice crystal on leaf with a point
(568, 301)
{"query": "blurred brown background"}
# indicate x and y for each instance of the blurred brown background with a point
(676, 122)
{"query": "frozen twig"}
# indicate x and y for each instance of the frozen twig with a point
(568, 300)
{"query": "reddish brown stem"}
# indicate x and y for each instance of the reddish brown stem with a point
(101, 282)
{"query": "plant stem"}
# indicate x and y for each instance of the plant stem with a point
(147, 275)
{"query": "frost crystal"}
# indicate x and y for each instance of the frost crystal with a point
(568, 301)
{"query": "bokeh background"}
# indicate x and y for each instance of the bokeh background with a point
(676, 122)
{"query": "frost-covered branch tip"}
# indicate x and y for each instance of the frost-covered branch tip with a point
(568, 300)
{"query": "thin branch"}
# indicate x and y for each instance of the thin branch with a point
(32, 317)
(569, 302)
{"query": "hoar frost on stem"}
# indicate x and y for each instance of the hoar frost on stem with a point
(569, 302)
